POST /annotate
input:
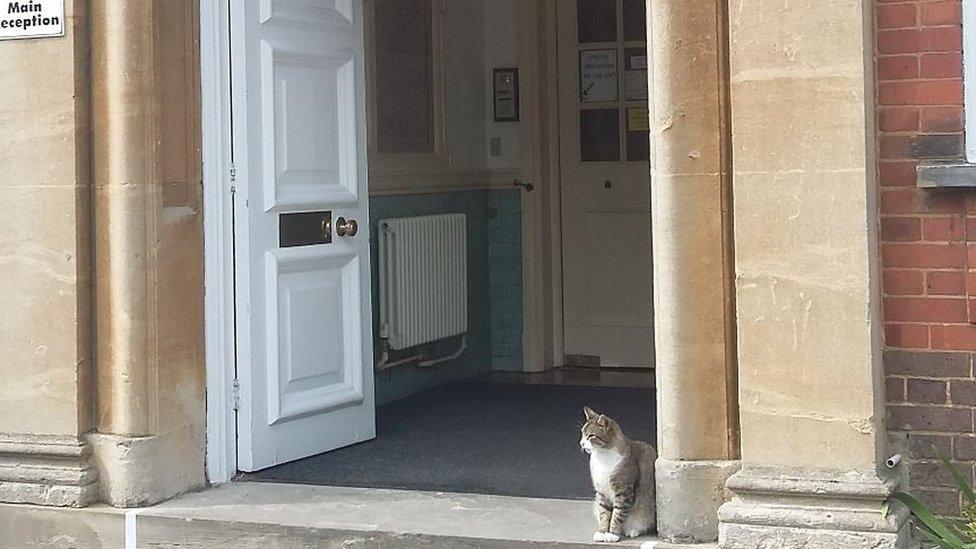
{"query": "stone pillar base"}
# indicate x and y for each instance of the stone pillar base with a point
(787, 508)
(142, 471)
(689, 494)
(46, 470)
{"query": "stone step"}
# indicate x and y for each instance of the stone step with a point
(265, 515)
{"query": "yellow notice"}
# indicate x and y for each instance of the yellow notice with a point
(638, 120)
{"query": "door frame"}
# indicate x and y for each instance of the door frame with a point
(218, 240)
(542, 287)
(541, 234)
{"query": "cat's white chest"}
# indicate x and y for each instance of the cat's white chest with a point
(602, 465)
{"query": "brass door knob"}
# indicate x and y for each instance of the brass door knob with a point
(346, 227)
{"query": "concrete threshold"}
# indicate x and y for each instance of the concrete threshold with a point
(265, 515)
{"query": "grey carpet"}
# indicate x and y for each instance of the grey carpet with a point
(478, 437)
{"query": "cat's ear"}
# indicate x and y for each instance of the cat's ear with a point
(590, 414)
(603, 420)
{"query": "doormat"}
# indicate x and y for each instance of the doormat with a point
(478, 437)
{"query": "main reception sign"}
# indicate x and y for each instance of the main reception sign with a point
(31, 19)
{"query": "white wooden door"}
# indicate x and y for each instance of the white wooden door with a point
(303, 301)
(605, 182)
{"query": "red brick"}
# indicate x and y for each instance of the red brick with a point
(896, 146)
(941, 501)
(899, 119)
(971, 227)
(932, 473)
(925, 309)
(924, 446)
(894, 389)
(943, 228)
(930, 418)
(898, 67)
(941, 65)
(964, 448)
(927, 363)
(921, 92)
(933, 256)
(901, 229)
(907, 336)
(899, 41)
(926, 391)
(961, 337)
(941, 119)
(942, 13)
(903, 282)
(941, 39)
(897, 174)
(963, 392)
(945, 283)
(897, 16)
(911, 200)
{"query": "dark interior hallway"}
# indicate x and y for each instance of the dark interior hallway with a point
(506, 434)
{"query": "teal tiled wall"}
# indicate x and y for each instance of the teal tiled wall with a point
(494, 288)
(505, 278)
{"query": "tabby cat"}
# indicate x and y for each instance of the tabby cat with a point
(622, 471)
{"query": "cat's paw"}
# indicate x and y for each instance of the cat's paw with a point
(610, 537)
(599, 536)
(633, 532)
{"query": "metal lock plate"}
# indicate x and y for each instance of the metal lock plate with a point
(304, 229)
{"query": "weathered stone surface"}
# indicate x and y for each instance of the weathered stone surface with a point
(293, 516)
(689, 494)
(46, 470)
(44, 246)
(775, 507)
(697, 423)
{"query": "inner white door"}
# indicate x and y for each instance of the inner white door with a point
(605, 183)
(304, 343)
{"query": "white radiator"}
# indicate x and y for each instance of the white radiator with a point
(423, 279)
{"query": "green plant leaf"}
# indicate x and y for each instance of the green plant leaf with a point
(943, 535)
(961, 482)
(930, 536)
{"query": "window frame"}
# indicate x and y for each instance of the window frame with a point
(399, 164)
(969, 76)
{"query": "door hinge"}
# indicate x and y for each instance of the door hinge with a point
(236, 393)
(233, 172)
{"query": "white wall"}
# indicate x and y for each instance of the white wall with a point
(479, 36)
(500, 50)
(464, 113)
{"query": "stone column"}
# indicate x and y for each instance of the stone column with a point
(45, 272)
(148, 250)
(807, 280)
(694, 326)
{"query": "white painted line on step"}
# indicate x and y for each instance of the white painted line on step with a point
(130, 529)
(649, 545)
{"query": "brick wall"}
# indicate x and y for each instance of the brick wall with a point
(930, 338)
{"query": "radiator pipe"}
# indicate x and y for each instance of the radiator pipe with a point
(385, 364)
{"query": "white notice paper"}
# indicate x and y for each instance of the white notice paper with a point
(598, 76)
(31, 19)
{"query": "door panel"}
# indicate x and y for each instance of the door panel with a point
(304, 318)
(605, 182)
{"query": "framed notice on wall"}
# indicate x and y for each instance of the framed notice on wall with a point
(31, 19)
(506, 94)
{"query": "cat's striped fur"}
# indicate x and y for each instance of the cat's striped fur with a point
(622, 471)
